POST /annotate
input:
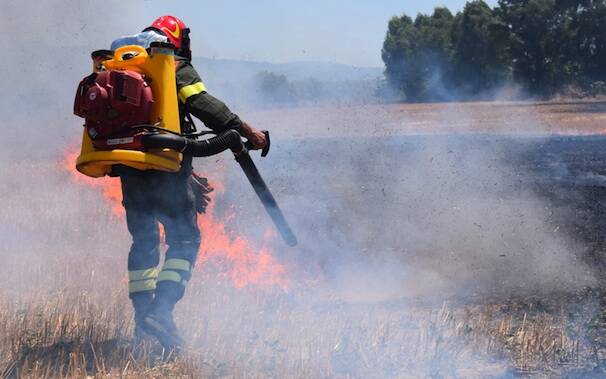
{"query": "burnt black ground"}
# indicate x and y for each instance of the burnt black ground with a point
(568, 172)
(319, 181)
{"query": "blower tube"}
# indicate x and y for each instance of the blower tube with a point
(229, 139)
(232, 140)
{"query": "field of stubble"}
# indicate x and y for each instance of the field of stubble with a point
(64, 310)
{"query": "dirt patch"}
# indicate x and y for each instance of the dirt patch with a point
(574, 117)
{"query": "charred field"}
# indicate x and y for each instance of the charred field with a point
(436, 240)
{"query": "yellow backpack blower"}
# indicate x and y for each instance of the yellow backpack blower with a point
(131, 114)
(135, 94)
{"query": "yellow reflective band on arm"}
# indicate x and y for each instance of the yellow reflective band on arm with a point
(191, 90)
(169, 276)
(177, 264)
(150, 273)
(142, 286)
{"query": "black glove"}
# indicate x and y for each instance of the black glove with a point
(201, 190)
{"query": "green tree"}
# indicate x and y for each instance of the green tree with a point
(416, 54)
(274, 88)
(398, 53)
(580, 28)
(434, 53)
(481, 49)
(534, 44)
(591, 40)
(544, 45)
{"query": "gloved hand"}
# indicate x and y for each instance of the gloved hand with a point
(201, 190)
(255, 136)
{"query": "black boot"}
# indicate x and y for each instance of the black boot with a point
(159, 322)
(141, 304)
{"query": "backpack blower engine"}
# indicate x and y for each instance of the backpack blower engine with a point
(117, 102)
(117, 108)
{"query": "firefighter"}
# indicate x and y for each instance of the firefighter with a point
(171, 199)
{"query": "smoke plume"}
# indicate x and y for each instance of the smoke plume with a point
(381, 217)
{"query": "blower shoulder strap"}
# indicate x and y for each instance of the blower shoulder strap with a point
(189, 126)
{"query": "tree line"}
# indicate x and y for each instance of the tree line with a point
(544, 46)
(271, 89)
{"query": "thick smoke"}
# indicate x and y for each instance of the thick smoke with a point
(45, 55)
(427, 215)
(386, 222)
(380, 217)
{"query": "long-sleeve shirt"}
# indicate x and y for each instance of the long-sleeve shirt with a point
(194, 98)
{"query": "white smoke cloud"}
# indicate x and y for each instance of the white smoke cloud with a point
(381, 219)
(437, 216)
(46, 53)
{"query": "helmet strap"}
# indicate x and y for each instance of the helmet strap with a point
(185, 50)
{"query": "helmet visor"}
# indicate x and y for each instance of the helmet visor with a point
(143, 39)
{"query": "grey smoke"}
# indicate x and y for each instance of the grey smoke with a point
(390, 218)
(378, 218)
(45, 56)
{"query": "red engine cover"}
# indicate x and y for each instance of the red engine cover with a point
(113, 103)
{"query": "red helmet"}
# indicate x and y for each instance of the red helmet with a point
(173, 28)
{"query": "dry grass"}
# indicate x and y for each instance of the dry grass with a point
(64, 310)
(261, 333)
(69, 335)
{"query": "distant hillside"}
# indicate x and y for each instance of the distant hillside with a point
(257, 85)
(235, 70)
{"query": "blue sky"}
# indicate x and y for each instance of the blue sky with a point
(342, 31)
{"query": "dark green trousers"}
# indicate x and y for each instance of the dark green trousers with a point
(150, 198)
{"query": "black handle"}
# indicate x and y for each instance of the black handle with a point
(265, 151)
(266, 148)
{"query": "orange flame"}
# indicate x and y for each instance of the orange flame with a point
(237, 258)
(109, 187)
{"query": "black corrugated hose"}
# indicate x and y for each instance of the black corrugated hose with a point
(229, 139)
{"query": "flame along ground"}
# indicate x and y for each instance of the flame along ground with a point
(236, 258)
